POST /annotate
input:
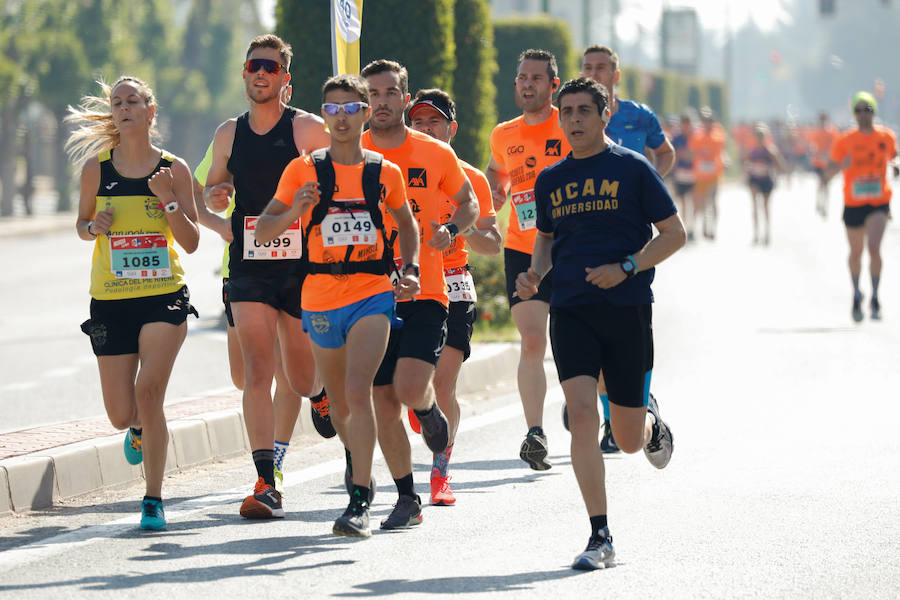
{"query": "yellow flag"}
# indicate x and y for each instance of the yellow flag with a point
(346, 28)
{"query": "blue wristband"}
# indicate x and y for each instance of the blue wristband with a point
(633, 262)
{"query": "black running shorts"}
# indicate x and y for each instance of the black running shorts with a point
(517, 262)
(855, 216)
(460, 324)
(617, 339)
(281, 292)
(421, 336)
(115, 325)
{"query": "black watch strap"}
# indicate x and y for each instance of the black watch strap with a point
(453, 228)
(413, 266)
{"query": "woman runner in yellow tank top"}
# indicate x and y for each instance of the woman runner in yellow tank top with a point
(136, 201)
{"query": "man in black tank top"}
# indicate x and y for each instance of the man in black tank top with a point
(249, 154)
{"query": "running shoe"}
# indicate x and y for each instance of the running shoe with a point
(133, 453)
(407, 513)
(153, 517)
(279, 481)
(441, 494)
(321, 416)
(875, 307)
(534, 451)
(857, 309)
(355, 520)
(565, 416)
(264, 503)
(435, 429)
(607, 442)
(414, 421)
(599, 553)
(348, 481)
(659, 449)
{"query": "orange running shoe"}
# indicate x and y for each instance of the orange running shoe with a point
(264, 503)
(441, 494)
(414, 421)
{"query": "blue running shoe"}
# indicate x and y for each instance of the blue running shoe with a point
(153, 517)
(133, 453)
(599, 553)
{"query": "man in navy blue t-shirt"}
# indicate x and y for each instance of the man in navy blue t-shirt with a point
(595, 209)
(634, 126)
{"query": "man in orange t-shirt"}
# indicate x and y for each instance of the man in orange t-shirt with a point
(434, 113)
(406, 374)
(707, 145)
(520, 149)
(347, 298)
(864, 154)
(821, 139)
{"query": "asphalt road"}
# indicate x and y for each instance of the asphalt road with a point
(783, 484)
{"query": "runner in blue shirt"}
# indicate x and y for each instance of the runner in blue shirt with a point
(595, 209)
(634, 126)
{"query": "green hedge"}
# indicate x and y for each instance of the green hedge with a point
(306, 26)
(473, 85)
(669, 93)
(511, 37)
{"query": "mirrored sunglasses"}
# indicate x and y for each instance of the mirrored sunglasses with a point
(271, 66)
(351, 108)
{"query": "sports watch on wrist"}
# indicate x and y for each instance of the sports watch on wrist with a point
(629, 267)
(453, 228)
(171, 206)
(413, 266)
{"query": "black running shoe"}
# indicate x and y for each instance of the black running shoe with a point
(534, 451)
(321, 416)
(435, 428)
(355, 520)
(857, 309)
(407, 513)
(875, 307)
(607, 442)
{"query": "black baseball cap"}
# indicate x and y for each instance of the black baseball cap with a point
(438, 104)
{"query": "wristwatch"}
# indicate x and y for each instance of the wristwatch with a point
(629, 266)
(453, 228)
(413, 266)
(171, 206)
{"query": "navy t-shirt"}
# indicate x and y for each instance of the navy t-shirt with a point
(599, 210)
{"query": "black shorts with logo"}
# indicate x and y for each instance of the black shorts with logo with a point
(460, 324)
(617, 339)
(115, 325)
(516, 262)
(855, 216)
(278, 291)
(422, 336)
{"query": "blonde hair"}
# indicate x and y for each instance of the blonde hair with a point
(95, 130)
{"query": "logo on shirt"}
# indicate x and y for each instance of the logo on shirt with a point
(530, 162)
(417, 177)
(515, 149)
(279, 143)
(414, 206)
(553, 148)
(112, 185)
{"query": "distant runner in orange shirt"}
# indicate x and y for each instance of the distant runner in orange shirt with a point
(520, 148)
(864, 154)
(434, 113)
(707, 145)
(821, 139)
(347, 299)
(405, 377)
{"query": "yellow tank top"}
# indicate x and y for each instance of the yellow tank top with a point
(137, 257)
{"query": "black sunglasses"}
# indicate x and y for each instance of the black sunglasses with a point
(271, 66)
(863, 109)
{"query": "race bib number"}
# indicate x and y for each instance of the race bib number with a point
(460, 285)
(865, 188)
(144, 256)
(526, 209)
(342, 228)
(707, 167)
(285, 246)
(684, 175)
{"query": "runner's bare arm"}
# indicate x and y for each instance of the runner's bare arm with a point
(278, 216)
(309, 132)
(665, 157)
(527, 283)
(671, 237)
(87, 204)
(464, 216)
(218, 189)
(176, 184)
(498, 179)
(408, 234)
(485, 237)
(209, 219)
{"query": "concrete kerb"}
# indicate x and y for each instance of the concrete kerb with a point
(39, 480)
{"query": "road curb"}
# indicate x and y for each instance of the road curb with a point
(43, 478)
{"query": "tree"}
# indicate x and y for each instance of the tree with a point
(473, 85)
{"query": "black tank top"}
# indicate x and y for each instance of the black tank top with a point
(256, 164)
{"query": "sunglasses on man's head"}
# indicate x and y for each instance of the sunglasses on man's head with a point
(271, 66)
(863, 109)
(351, 108)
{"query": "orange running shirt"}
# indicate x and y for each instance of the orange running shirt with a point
(431, 169)
(707, 149)
(524, 150)
(865, 180)
(327, 292)
(457, 255)
(820, 142)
